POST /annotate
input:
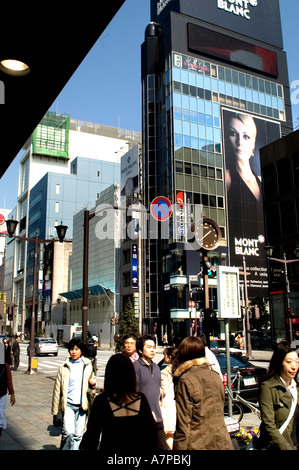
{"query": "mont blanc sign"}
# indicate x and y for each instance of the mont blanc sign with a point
(256, 19)
(237, 7)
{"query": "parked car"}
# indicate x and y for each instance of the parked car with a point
(218, 345)
(251, 374)
(44, 346)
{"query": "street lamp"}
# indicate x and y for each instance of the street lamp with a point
(269, 252)
(11, 226)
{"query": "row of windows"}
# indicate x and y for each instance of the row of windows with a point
(253, 102)
(185, 72)
(196, 143)
(198, 170)
(207, 192)
(197, 78)
(196, 117)
(218, 86)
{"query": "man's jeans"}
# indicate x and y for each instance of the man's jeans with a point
(73, 427)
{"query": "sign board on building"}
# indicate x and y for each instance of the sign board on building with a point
(228, 292)
(135, 282)
(257, 19)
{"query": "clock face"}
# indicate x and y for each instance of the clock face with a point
(207, 234)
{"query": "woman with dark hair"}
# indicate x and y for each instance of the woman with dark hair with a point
(199, 394)
(120, 416)
(73, 382)
(279, 401)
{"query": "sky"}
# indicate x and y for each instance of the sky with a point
(106, 88)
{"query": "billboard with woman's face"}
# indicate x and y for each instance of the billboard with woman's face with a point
(243, 136)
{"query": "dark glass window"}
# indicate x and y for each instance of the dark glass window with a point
(269, 181)
(295, 164)
(288, 219)
(284, 176)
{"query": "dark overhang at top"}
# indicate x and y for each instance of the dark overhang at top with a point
(52, 39)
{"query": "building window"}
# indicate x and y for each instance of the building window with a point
(98, 174)
(57, 189)
(56, 207)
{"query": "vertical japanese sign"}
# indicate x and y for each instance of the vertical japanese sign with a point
(228, 292)
(134, 266)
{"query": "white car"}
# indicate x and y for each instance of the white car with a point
(44, 346)
(218, 345)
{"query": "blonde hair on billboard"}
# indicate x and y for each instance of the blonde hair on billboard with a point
(248, 121)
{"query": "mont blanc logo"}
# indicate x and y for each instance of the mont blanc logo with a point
(161, 5)
(237, 7)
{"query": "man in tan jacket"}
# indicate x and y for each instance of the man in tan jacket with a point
(70, 394)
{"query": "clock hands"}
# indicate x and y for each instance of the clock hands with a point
(205, 235)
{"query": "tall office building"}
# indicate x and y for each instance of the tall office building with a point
(214, 91)
(66, 164)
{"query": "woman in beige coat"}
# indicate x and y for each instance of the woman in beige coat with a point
(70, 394)
(199, 395)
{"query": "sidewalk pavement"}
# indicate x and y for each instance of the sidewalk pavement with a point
(30, 423)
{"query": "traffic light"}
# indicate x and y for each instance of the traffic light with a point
(210, 270)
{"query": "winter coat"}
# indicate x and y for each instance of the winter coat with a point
(6, 380)
(199, 395)
(275, 404)
(167, 399)
(60, 391)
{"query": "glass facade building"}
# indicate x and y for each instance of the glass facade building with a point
(189, 96)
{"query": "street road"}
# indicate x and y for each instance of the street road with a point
(50, 364)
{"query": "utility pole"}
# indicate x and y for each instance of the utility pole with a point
(247, 323)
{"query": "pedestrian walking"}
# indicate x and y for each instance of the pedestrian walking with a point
(70, 394)
(148, 377)
(8, 353)
(279, 401)
(210, 356)
(16, 352)
(129, 346)
(199, 396)
(167, 399)
(6, 386)
(121, 418)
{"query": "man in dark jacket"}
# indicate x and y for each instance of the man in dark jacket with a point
(148, 376)
(16, 352)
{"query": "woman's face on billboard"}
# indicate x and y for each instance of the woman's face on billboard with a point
(242, 138)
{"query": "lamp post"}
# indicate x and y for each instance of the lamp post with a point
(87, 216)
(269, 252)
(61, 232)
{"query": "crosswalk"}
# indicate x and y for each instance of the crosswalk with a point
(50, 364)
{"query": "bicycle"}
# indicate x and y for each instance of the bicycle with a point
(237, 401)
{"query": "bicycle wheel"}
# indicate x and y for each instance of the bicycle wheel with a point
(237, 411)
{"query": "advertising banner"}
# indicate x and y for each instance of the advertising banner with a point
(130, 174)
(258, 19)
(243, 136)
